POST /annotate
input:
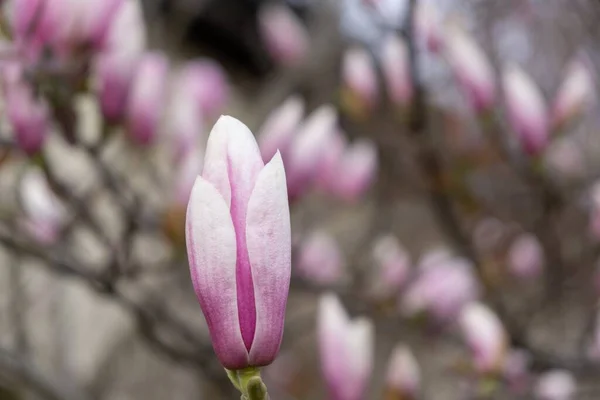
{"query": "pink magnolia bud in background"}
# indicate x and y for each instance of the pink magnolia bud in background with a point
(471, 68)
(556, 385)
(116, 65)
(308, 149)
(442, 289)
(329, 166)
(44, 214)
(346, 350)
(320, 259)
(239, 246)
(485, 336)
(526, 110)
(396, 70)
(575, 94)
(359, 77)
(516, 370)
(403, 378)
(146, 101)
(28, 115)
(356, 171)
(278, 130)
(435, 256)
(393, 265)
(428, 25)
(189, 168)
(208, 83)
(284, 36)
(526, 257)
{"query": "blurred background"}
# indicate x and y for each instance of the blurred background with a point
(440, 154)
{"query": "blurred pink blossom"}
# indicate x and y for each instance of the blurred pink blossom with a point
(356, 171)
(516, 370)
(556, 385)
(396, 70)
(429, 26)
(346, 348)
(526, 110)
(320, 259)
(328, 167)
(403, 379)
(471, 68)
(526, 257)
(565, 157)
(188, 169)
(146, 101)
(280, 127)
(575, 93)
(392, 264)
(284, 36)
(359, 76)
(485, 336)
(208, 83)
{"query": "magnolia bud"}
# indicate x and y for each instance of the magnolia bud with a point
(428, 25)
(359, 78)
(396, 70)
(471, 68)
(393, 265)
(575, 93)
(284, 36)
(526, 110)
(403, 375)
(516, 370)
(320, 259)
(146, 100)
(485, 336)
(208, 84)
(526, 257)
(346, 349)
(556, 385)
(278, 130)
(356, 171)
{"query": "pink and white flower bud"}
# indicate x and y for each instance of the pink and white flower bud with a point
(403, 378)
(428, 25)
(516, 370)
(471, 68)
(526, 257)
(526, 110)
(320, 259)
(346, 348)
(309, 148)
(278, 130)
(393, 265)
(359, 77)
(356, 171)
(146, 101)
(575, 94)
(485, 336)
(556, 385)
(208, 83)
(396, 70)
(284, 36)
(442, 289)
(44, 214)
(116, 66)
(328, 168)
(189, 168)
(239, 246)
(28, 115)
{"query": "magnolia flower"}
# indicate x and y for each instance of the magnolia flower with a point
(116, 65)
(396, 70)
(320, 259)
(189, 168)
(239, 246)
(442, 289)
(284, 36)
(556, 385)
(428, 25)
(575, 93)
(308, 149)
(403, 375)
(146, 99)
(526, 110)
(346, 350)
(207, 84)
(526, 256)
(44, 214)
(359, 77)
(278, 130)
(393, 265)
(484, 335)
(356, 171)
(471, 68)
(328, 170)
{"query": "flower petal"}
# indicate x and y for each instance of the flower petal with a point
(268, 238)
(211, 246)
